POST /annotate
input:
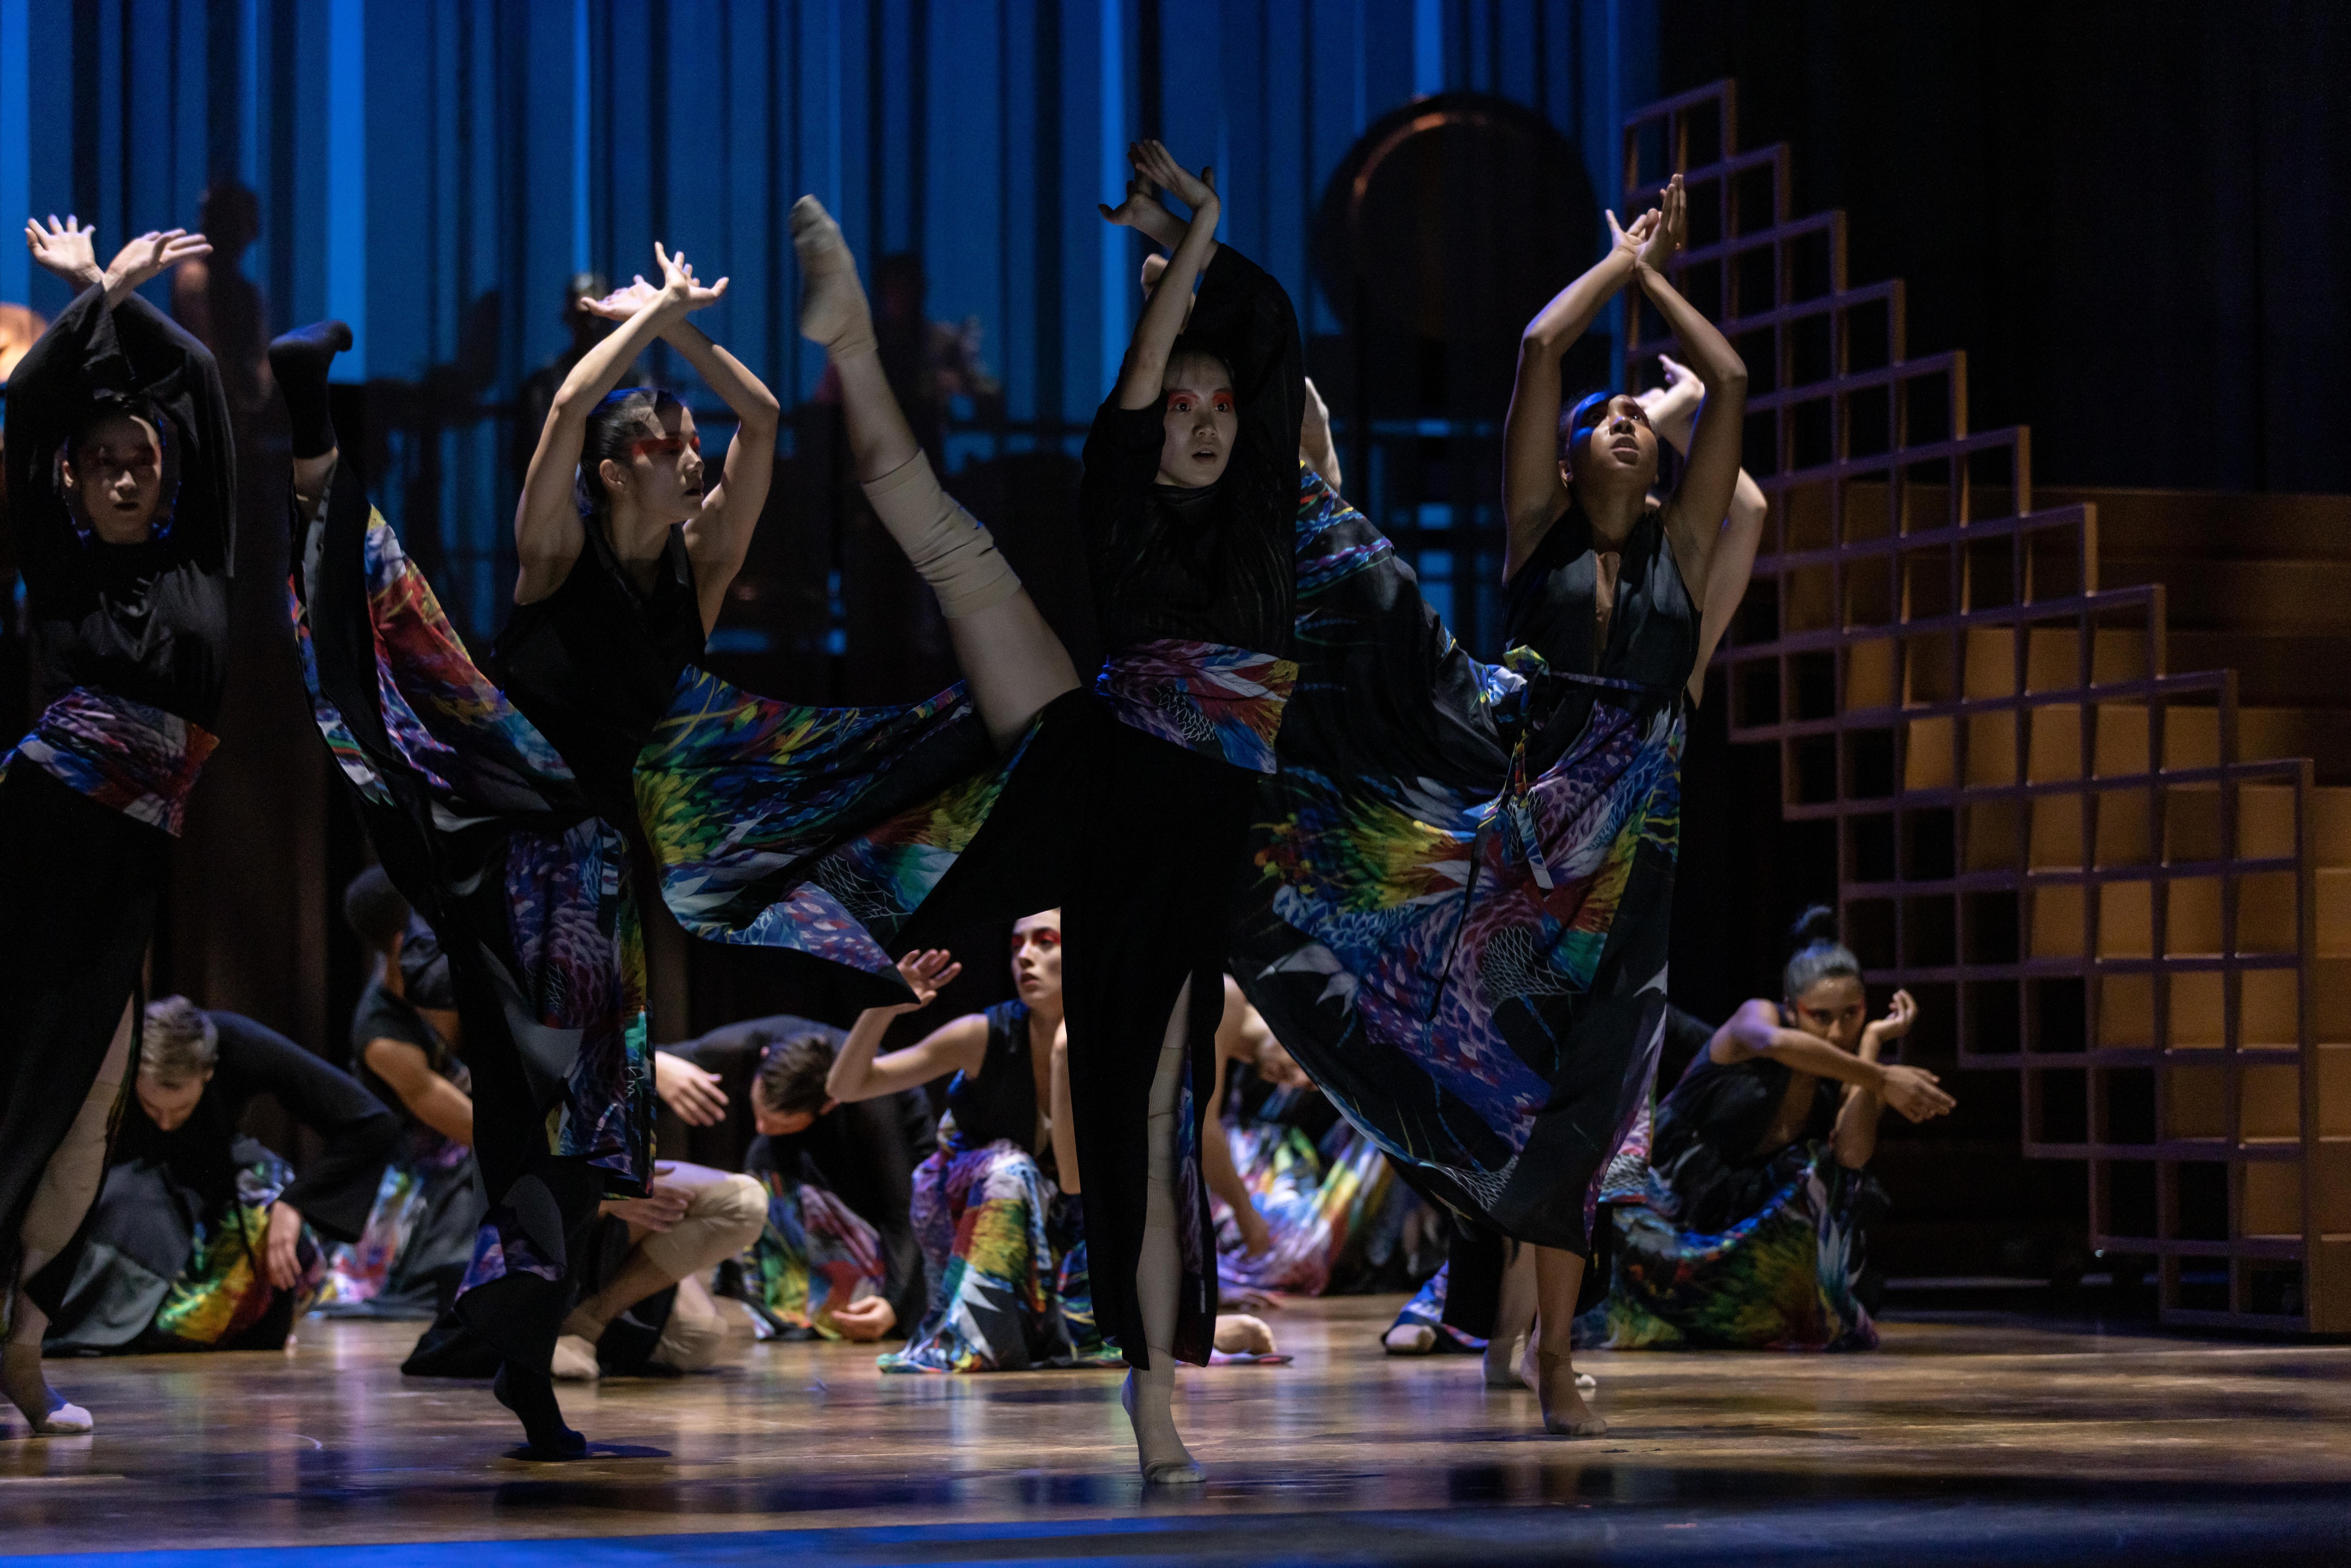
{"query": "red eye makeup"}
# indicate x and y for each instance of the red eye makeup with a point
(663, 445)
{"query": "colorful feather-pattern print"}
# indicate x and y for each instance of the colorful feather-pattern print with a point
(815, 1256)
(1314, 1208)
(1221, 702)
(220, 1293)
(580, 964)
(1004, 1254)
(449, 724)
(1785, 1277)
(1444, 860)
(128, 756)
(814, 828)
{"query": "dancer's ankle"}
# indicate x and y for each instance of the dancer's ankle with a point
(1149, 1400)
(529, 1393)
(46, 1411)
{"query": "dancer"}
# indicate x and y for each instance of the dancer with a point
(840, 1257)
(122, 493)
(203, 1239)
(627, 550)
(497, 839)
(1004, 1249)
(1129, 805)
(1460, 923)
(1750, 1231)
(405, 1038)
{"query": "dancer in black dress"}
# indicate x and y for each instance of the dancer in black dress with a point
(1750, 1229)
(121, 491)
(1605, 587)
(512, 850)
(1129, 805)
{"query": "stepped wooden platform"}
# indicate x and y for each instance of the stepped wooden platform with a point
(2088, 753)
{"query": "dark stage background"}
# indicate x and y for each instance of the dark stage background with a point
(2124, 213)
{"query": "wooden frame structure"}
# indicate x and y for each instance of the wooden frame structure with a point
(2093, 871)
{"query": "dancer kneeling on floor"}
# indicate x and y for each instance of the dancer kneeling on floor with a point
(838, 1257)
(999, 1227)
(203, 1239)
(1749, 1233)
(406, 1035)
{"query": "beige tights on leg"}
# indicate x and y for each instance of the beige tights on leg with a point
(69, 1185)
(1150, 1395)
(1011, 659)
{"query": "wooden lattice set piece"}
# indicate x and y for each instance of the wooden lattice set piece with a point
(2125, 884)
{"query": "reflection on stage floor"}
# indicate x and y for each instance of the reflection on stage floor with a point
(1965, 1437)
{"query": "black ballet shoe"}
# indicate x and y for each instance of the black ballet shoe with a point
(532, 1399)
(310, 348)
(300, 362)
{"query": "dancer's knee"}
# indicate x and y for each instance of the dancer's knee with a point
(950, 547)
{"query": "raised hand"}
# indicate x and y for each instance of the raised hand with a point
(67, 249)
(1657, 247)
(680, 291)
(927, 972)
(1628, 241)
(1141, 210)
(1673, 408)
(151, 254)
(1899, 1016)
(1156, 166)
(624, 301)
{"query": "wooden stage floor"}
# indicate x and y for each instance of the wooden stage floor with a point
(1966, 1438)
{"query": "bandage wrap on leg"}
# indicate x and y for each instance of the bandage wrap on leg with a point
(955, 555)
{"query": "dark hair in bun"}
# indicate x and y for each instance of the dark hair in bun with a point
(1815, 954)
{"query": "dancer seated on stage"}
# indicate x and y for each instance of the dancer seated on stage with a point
(838, 1257)
(1000, 1233)
(1296, 1214)
(1750, 1232)
(405, 1038)
(201, 1238)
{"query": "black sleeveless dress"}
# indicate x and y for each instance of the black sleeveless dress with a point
(595, 664)
(128, 648)
(506, 851)
(1464, 874)
(999, 1101)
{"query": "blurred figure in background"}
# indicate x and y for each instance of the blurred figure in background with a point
(220, 307)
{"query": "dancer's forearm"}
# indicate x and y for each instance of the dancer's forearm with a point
(744, 394)
(1145, 369)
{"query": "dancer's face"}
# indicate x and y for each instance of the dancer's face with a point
(168, 1105)
(1618, 452)
(663, 477)
(1831, 1009)
(1201, 422)
(115, 479)
(1037, 959)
